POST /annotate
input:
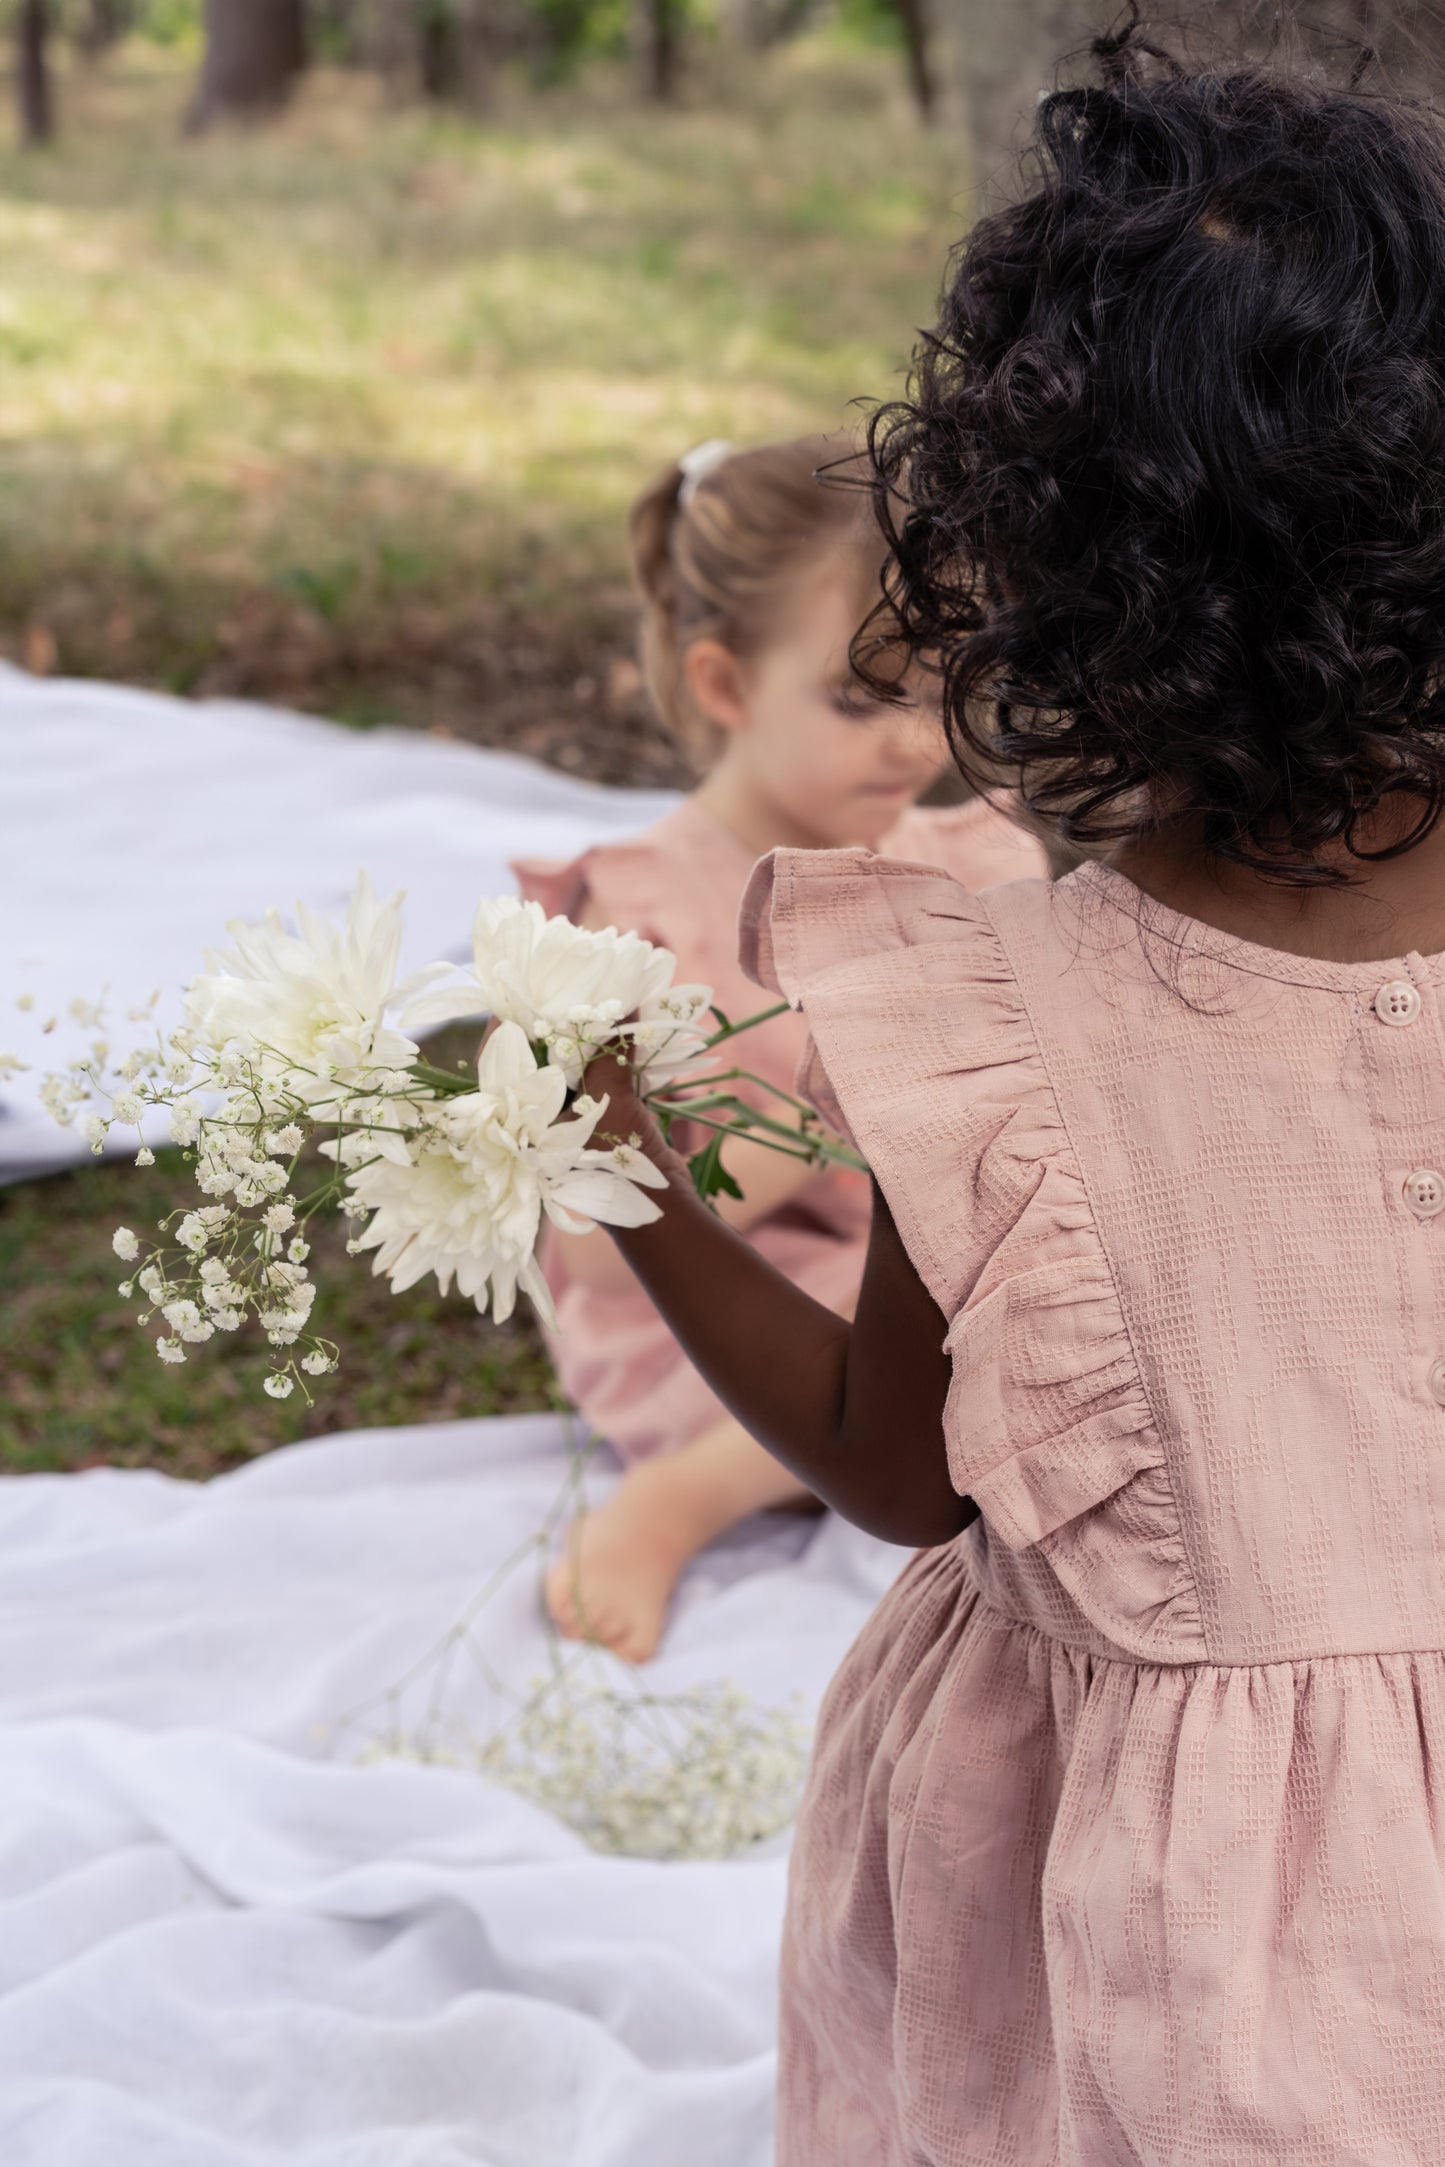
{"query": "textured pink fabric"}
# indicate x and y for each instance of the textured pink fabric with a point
(1123, 1840)
(680, 884)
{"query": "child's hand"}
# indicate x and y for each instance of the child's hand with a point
(627, 1119)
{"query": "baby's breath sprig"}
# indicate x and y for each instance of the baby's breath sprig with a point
(700, 1774)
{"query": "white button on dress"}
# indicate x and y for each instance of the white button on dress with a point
(1437, 1383)
(1397, 1003)
(1425, 1192)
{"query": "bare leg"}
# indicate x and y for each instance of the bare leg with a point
(616, 1575)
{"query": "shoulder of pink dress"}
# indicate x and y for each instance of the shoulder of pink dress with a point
(980, 843)
(805, 910)
(628, 880)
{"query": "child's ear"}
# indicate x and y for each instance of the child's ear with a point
(715, 682)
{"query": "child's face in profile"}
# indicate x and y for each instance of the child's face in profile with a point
(840, 766)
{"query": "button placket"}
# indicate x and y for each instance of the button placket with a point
(1406, 1092)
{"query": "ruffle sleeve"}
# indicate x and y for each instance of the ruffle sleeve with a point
(921, 1049)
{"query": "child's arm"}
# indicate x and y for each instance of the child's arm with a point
(854, 1410)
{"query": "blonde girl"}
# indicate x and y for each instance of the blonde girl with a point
(755, 568)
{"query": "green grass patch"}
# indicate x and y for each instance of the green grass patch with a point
(348, 412)
(83, 1384)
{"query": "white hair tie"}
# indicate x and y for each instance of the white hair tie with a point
(698, 463)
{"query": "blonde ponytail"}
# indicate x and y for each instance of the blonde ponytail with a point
(722, 564)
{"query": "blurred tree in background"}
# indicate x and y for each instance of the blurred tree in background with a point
(985, 59)
(252, 51)
(255, 49)
(32, 71)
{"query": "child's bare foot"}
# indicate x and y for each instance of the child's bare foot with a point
(615, 1577)
(620, 1564)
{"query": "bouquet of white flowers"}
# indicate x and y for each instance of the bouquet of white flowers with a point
(298, 1045)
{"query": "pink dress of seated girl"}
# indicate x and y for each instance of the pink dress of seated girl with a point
(1125, 1834)
(680, 884)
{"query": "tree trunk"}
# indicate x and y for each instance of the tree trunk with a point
(662, 20)
(337, 32)
(32, 72)
(1009, 51)
(255, 49)
(913, 20)
(104, 24)
(455, 50)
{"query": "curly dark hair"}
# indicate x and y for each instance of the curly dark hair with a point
(1166, 499)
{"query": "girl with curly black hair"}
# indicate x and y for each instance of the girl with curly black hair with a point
(1125, 1834)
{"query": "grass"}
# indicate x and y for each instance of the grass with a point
(347, 414)
(84, 1387)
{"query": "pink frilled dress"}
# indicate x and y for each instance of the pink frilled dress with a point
(1123, 1840)
(680, 884)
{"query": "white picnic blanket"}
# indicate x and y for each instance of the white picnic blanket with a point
(222, 1946)
(225, 1939)
(133, 826)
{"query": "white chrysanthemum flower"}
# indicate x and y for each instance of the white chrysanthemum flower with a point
(470, 1203)
(278, 1386)
(308, 1006)
(125, 1244)
(670, 1034)
(568, 988)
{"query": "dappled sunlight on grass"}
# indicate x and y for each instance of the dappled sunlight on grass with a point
(355, 401)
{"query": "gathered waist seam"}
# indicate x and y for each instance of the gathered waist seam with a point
(1112, 1654)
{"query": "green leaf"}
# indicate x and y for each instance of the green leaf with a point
(710, 1177)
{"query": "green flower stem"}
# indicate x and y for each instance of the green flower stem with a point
(749, 1023)
(737, 1075)
(822, 1148)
